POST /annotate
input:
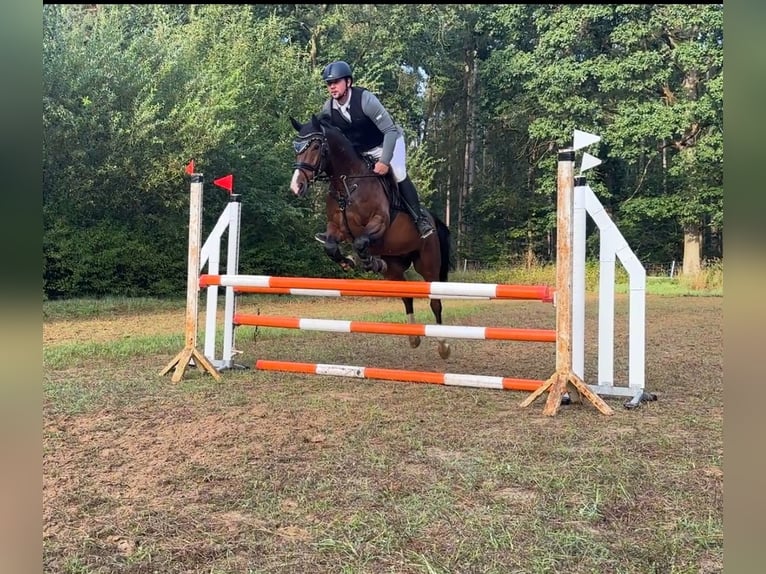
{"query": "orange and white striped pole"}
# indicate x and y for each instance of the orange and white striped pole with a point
(427, 377)
(401, 288)
(408, 329)
(344, 293)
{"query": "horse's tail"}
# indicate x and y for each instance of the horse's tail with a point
(445, 248)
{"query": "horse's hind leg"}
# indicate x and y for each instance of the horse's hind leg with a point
(410, 313)
(395, 272)
(444, 346)
(431, 273)
(436, 307)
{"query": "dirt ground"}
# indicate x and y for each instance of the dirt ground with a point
(272, 472)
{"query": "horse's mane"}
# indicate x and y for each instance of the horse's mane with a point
(330, 128)
(332, 131)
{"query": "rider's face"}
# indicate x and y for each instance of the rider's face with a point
(337, 88)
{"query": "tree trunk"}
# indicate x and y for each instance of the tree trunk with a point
(692, 250)
(469, 157)
(530, 259)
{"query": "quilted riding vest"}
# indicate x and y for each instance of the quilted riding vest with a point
(361, 131)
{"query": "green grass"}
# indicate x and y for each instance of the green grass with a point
(59, 355)
(674, 287)
(276, 472)
(709, 282)
(67, 354)
(83, 308)
(72, 354)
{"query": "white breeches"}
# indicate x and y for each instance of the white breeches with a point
(398, 161)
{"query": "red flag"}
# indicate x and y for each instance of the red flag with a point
(226, 182)
(190, 167)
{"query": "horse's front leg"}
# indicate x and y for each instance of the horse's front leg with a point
(333, 251)
(369, 262)
(334, 233)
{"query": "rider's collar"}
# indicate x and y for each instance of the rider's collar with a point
(343, 108)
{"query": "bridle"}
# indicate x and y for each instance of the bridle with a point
(301, 144)
(318, 171)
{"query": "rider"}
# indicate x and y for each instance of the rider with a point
(359, 114)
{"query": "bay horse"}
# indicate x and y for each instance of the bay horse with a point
(365, 210)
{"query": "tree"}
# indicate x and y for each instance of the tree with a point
(664, 75)
(485, 93)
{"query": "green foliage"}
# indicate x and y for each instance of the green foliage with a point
(132, 92)
(648, 79)
(708, 282)
(83, 308)
(106, 259)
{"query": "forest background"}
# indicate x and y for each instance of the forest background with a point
(486, 93)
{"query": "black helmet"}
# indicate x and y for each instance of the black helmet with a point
(336, 71)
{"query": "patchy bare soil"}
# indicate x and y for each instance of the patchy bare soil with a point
(271, 472)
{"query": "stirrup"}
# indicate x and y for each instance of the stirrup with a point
(424, 227)
(321, 237)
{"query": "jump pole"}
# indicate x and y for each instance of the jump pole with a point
(564, 379)
(428, 377)
(390, 288)
(405, 329)
(190, 352)
(347, 293)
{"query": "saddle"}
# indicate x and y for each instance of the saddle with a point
(395, 201)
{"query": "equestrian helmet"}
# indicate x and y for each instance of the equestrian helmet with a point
(336, 71)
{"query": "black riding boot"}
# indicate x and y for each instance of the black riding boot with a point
(411, 201)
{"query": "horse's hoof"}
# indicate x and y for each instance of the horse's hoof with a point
(444, 350)
(348, 263)
(414, 342)
(375, 265)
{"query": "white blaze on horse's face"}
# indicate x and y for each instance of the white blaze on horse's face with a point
(295, 187)
(308, 162)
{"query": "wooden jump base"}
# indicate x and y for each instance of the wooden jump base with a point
(448, 379)
(408, 329)
(564, 379)
(190, 353)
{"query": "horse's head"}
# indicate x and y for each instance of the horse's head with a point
(310, 154)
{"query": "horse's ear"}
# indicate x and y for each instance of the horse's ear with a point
(315, 121)
(295, 123)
